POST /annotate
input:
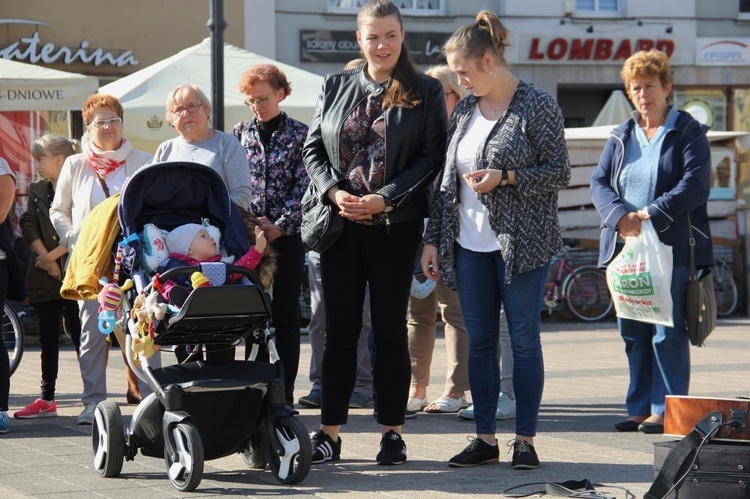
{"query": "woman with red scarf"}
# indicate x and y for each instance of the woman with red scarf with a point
(86, 180)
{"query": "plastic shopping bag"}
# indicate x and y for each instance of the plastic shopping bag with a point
(640, 278)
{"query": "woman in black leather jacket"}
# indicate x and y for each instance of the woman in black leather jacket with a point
(375, 145)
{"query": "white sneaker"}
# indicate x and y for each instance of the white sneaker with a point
(506, 409)
(87, 416)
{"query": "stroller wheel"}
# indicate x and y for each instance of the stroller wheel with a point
(108, 439)
(185, 467)
(255, 454)
(294, 465)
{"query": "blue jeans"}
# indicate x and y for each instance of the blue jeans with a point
(480, 280)
(658, 356)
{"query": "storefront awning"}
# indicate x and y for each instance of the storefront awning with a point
(25, 87)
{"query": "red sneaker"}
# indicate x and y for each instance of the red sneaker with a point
(37, 409)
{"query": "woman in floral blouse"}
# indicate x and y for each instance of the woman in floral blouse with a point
(273, 142)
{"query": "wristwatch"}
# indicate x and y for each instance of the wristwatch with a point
(504, 179)
(388, 204)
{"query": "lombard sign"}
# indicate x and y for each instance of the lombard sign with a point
(722, 51)
(32, 49)
(587, 50)
(342, 47)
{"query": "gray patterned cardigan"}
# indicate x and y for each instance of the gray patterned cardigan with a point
(528, 139)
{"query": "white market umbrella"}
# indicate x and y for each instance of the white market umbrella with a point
(26, 87)
(616, 110)
(143, 94)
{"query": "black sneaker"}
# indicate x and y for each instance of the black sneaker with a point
(392, 449)
(324, 448)
(524, 455)
(478, 452)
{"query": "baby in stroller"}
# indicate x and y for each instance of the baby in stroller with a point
(191, 245)
(199, 410)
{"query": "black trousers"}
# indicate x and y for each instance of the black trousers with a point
(287, 286)
(48, 314)
(383, 257)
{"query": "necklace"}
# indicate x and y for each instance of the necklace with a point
(503, 105)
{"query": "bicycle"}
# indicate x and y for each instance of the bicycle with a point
(584, 289)
(13, 336)
(727, 297)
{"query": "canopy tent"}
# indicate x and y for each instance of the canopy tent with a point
(616, 110)
(25, 87)
(143, 94)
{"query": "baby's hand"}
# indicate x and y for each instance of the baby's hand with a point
(260, 240)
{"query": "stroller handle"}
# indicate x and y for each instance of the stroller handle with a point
(232, 269)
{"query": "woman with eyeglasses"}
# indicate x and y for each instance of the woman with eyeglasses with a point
(189, 111)
(86, 180)
(273, 143)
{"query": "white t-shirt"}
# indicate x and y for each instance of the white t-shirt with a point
(5, 170)
(474, 232)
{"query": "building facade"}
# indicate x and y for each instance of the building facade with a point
(573, 49)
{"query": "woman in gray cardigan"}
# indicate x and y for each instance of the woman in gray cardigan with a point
(494, 227)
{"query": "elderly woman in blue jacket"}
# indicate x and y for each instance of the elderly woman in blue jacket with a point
(659, 160)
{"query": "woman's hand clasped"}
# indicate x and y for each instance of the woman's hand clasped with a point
(358, 208)
(429, 262)
(483, 181)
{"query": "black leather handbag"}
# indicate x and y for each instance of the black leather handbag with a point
(700, 303)
(321, 224)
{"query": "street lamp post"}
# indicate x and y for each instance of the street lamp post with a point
(216, 26)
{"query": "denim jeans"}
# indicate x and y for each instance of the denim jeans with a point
(480, 280)
(658, 356)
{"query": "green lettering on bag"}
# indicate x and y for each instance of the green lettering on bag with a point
(634, 284)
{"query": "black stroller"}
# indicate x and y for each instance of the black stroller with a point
(199, 410)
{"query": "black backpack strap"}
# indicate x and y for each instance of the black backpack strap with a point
(681, 455)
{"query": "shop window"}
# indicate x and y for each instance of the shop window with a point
(18, 129)
(744, 9)
(599, 6)
(408, 7)
(741, 111)
(707, 105)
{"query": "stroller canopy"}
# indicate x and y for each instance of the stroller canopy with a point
(174, 193)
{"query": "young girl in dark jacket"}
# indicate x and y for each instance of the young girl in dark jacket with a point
(44, 275)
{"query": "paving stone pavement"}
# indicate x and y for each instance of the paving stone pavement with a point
(586, 379)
